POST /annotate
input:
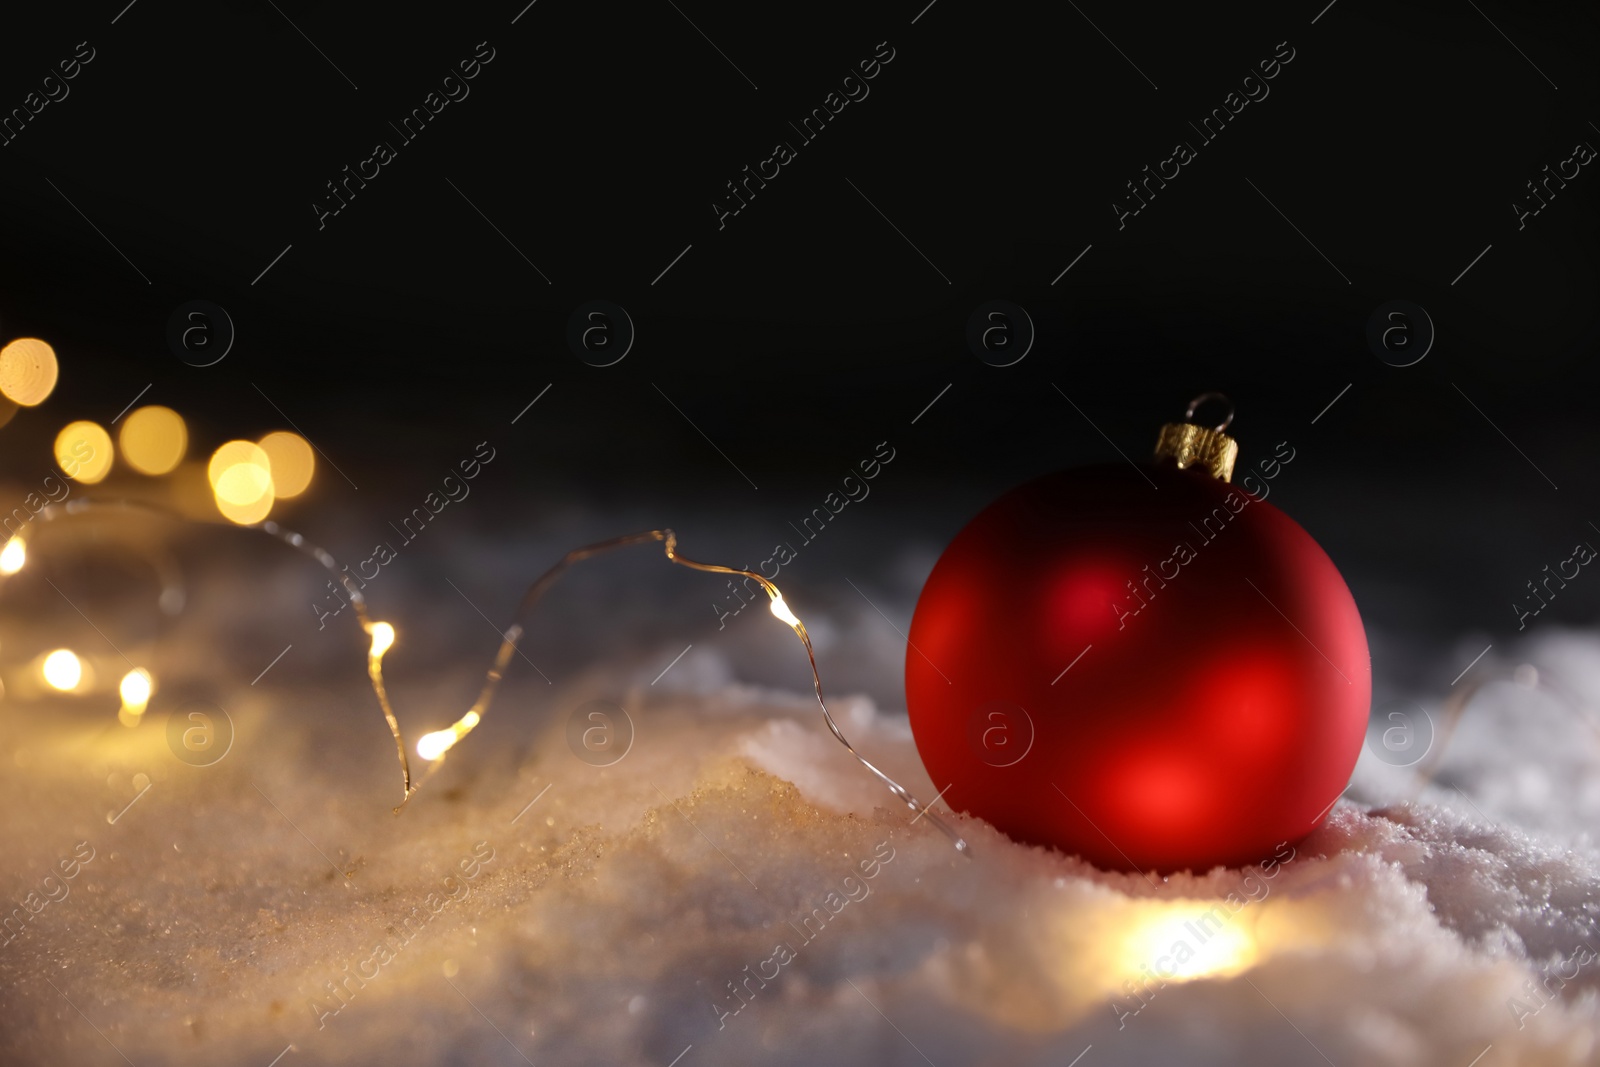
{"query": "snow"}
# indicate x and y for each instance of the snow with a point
(608, 908)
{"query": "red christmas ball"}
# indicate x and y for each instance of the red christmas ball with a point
(1151, 668)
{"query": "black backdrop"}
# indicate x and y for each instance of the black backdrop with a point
(776, 346)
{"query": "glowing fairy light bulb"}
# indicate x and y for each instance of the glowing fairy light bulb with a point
(432, 746)
(62, 670)
(13, 556)
(781, 610)
(382, 638)
(135, 689)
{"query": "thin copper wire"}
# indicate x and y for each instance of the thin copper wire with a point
(816, 682)
(293, 540)
(508, 645)
(669, 540)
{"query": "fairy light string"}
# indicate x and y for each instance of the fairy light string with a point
(435, 746)
(445, 739)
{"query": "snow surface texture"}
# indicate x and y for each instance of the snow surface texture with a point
(531, 907)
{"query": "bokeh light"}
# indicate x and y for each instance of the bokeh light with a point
(83, 452)
(62, 670)
(292, 462)
(14, 555)
(135, 691)
(240, 473)
(27, 371)
(153, 439)
(247, 514)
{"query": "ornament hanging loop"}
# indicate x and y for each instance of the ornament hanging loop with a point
(1188, 444)
(1194, 405)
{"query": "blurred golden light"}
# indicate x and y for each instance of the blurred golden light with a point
(62, 670)
(13, 556)
(153, 439)
(27, 371)
(241, 481)
(1185, 940)
(240, 472)
(246, 514)
(292, 462)
(83, 452)
(135, 690)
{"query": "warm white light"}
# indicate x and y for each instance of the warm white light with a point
(135, 691)
(241, 482)
(62, 670)
(83, 451)
(1186, 940)
(27, 371)
(153, 439)
(291, 460)
(13, 556)
(382, 637)
(434, 745)
(781, 610)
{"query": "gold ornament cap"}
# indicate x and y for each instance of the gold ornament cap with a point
(1191, 445)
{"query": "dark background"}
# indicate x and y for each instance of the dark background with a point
(816, 324)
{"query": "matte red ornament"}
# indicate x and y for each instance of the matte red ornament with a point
(1145, 666)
